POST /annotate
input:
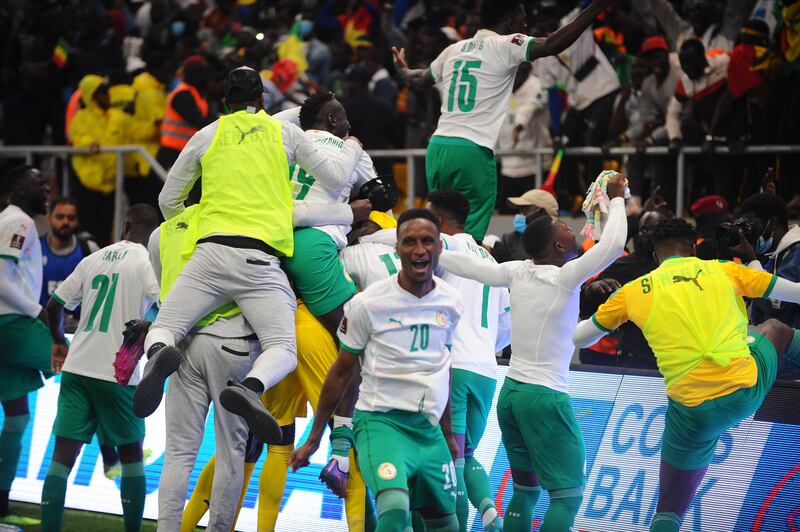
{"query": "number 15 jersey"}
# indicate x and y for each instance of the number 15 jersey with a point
(476, 77)
(115, 284)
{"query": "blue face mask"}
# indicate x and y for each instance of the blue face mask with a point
(519, 223)
(763, 246)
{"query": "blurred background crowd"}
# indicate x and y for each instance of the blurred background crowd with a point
(650, 73)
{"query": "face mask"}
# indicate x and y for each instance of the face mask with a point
(763, 245)
(178, 27)
(519, 223)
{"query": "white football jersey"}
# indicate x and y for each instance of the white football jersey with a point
(403, 344)
(308, 188)
(373, 259)
(475, 340)
(115, 285)
(476, 77)
(20, 242)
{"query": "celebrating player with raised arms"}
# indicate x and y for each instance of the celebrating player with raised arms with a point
(398, 332)
(476, 77)
(540, 432)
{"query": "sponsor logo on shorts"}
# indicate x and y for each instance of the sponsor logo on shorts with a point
(518, 39)
(343, 326)
(17, 241)
(441, 319)
(387, 471)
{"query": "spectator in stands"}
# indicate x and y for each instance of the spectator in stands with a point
(381, 85)
(92, 128)
(187, 110)
(526, 127)
(709, 213)
(530, 205)
(700, 22)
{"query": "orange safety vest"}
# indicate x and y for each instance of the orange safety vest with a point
(175, 131)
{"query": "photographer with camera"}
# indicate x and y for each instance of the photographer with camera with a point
(768, 242)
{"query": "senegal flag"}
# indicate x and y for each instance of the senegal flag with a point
(293, 49)
(61, 53)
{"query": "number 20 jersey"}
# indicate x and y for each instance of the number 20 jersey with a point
(115, 284)
(475, 78)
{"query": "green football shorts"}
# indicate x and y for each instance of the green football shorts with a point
(461, 165)
(691, 432)
(403, 450)
(471, 397)
(541, 434)
(87, 405)
(25, 345)
(317, 271)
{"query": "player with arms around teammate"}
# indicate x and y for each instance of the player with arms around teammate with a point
(398, 332)
(115, 285)
(716, 372)
(25, 346)
(244, 225)
(482, 331)
(476, 77)
(545, 299)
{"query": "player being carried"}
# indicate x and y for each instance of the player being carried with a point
(115, 285)
(549, 453)
(716, 372)
(397, 333)
(476, 77)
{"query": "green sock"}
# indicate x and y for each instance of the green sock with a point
(665, 522)
(132, 487)
(53, 493)
(10, 447)
(393, 511)
(477, 485)
(393, 521)
(793, 351)
(462, 503)
(563, 509)
(448, 523)
(519, 514)
(370, 517)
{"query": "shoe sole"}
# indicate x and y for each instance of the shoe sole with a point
(150, 389)
(331, 482)
(260, 421)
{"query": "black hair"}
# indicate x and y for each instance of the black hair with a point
(15, 176)
(694, 44)
(62, 201)
(143, 216)
(766, 206)
(414, 214)
(538, 236)
(674, 229)
(454, 203)
(312, 107)
(493, 13)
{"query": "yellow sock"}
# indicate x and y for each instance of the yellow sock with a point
(248, 472)
(354, 503)
(197, 506)
(271, 485)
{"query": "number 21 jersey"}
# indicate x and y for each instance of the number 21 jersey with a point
(115, 284)
(476, 77)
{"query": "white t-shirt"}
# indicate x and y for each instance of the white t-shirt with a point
(19, 242)
(475, 77)
(373, 259)
(115, 285)
(475, 340)
(402, 340)
(313, 190)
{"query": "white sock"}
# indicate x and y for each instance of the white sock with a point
(343, 462)
(341, 421)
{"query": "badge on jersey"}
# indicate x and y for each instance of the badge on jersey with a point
(441, 319)
(518, 39)
(17, 241)
(387, 471)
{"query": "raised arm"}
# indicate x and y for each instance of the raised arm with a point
(418, 78)
(471, 267)
(565, 36)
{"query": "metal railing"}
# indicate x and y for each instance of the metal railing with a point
(410, 155)
(65, 151)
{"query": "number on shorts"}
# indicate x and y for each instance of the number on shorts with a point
(449, 471)
(387, 261)
(304, 179)
(421, 332)
(467, 86)
(104, 300)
